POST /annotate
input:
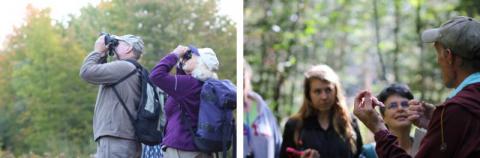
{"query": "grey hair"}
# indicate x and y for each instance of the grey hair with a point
(136, 42)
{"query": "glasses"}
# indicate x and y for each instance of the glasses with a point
(395, 105)
(188, 55)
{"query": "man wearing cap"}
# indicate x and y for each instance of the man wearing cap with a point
(453, 128)
(183, 89)
(112, 129)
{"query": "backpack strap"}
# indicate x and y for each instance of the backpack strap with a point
(224, 137)
(184, 119)
(134, 62)
(234, 139)
(123, 105)
(137, 69)
(123, 79)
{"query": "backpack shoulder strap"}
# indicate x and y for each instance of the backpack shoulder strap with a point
(184, 120)
(138, 68)
(123, 105)
(124, 78)
(134, 62)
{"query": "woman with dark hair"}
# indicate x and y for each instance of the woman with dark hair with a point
(323, 125)
(395, 97)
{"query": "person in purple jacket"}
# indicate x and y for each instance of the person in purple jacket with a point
(193, 66)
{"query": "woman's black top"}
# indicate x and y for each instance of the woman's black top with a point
(327, 142)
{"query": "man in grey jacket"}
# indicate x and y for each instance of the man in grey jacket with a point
(112, 129)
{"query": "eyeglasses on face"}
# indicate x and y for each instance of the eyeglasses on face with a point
(395, 105)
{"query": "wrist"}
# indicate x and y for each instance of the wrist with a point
(425, 124)
(379, 126)
(176, 54)
(380, 134)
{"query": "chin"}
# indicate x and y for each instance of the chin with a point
(448, 84)
(404, 123)
(323, 109)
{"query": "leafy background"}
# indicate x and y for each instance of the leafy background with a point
(46, 110)
(369, 43)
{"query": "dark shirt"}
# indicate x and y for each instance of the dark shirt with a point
(461, 126)
(327, 142)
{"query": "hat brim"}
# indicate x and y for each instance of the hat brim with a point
(431, 35)
(194, 50)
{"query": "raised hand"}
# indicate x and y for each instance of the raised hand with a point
(420, 113)
(364, 109)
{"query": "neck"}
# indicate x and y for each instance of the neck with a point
(461, 75)
(323, 115)
(403, 137)
(324, 119)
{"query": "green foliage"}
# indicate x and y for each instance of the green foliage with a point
(47, 109)
(188, 22)
(342, 35)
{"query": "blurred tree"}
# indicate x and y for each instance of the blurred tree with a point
(188, 22)
(46, 88)
(470, 7)
(47, 109)
(369, 43)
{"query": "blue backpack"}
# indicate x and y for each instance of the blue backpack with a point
(216, 125)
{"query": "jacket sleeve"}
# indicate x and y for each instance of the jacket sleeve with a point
(387, 146)
(288, 140)
(174, 85)
(95, 72)
(461, 132)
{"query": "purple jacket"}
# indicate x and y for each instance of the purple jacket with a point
(183, 90)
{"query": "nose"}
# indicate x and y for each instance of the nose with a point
(323, 95)
(401, 109)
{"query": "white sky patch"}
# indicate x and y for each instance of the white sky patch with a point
(12, 13)
(231, 9)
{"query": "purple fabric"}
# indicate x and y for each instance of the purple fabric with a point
(183, 90)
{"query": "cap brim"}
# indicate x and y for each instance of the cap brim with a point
(431, 35)
(194, 50)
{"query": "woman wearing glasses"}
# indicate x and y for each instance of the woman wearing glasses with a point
(395, 97)
(183, 89)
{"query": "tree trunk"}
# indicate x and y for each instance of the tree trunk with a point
(418, 23)
(377, 36)
(397, 45)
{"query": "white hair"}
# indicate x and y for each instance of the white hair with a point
(202, 73)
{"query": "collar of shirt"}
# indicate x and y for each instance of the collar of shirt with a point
(471, 79)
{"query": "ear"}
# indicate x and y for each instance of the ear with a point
(129, 49)
(448, 55)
